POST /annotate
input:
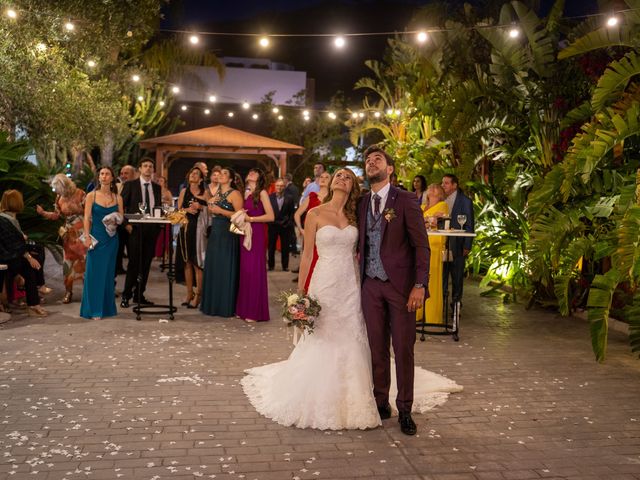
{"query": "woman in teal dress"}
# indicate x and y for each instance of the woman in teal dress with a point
(98, 293)
(221, 262)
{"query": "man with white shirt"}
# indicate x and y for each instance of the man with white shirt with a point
(135, 192)
(459, 204)
(318, 169)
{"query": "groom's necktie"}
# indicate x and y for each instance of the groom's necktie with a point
(147, 198)
(376, 204)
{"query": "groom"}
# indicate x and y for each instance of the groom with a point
(394, 268)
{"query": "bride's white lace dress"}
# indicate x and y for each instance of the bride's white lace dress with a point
(326, 382)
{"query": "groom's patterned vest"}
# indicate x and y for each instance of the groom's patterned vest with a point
(373, 267)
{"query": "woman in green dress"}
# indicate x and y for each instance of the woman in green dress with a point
(221, 263)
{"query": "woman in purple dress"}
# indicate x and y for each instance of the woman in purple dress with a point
(252, 304)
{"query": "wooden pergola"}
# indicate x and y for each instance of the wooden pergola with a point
(220, 141)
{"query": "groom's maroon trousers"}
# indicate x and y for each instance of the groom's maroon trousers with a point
(405, 254)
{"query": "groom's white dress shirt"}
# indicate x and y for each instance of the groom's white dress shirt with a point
(383, 193)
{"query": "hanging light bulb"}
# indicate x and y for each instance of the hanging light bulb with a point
(339, 41)
(305, 113)
(514, 33)
(422, 37)
(390, 111)
(354, 115)
(275, 109)
(246, 105)
(183, 108)
(11, 13)
(207, 111)
(194, 39)
(612, 21)
(361, 115)
(161, 103)
(230, 114)
(376, 114)
(264, 42)
(69, 26)
(140, 98)
(397, 112)
(91, 63)
(255, 116)
(213, 98)
(280, 117)
(135, 77)
(332, 115)
(175, 89)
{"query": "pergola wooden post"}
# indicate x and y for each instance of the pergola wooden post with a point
(217, 141)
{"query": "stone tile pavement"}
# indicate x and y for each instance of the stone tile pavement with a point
(151, 400)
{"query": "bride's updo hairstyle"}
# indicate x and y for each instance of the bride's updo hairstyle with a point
(350, 207)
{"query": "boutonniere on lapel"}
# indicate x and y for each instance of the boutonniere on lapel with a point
(389, 214)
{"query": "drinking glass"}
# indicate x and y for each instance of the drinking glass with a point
(462, 220)
(142, 206)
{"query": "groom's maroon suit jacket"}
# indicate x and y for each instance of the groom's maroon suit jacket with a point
(405, 251)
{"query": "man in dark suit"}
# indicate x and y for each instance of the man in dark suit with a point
(459, 204)
(133, 193)
(282, 226)
(394, 269)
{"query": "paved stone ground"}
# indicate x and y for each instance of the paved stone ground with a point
(150, 400)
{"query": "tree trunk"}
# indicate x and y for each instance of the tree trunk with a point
(107, 150)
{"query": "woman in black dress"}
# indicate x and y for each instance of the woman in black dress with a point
(191, 239)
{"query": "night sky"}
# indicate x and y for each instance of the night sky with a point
(332, 69)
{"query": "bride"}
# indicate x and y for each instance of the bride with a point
(326, 383)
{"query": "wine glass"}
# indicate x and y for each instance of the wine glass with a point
(142, 206)
(462, 220)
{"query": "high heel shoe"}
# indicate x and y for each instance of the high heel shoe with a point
(195, 299)
(68, 297)
(37, 311)
(188, 300)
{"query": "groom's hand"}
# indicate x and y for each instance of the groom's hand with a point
(416, 299)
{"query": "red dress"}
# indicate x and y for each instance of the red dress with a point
(314, 201)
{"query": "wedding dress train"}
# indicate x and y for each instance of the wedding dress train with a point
(326, 382)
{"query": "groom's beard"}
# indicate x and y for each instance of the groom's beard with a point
(377, 178)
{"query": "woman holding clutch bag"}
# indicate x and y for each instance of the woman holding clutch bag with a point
(98, 295)
(220, 278)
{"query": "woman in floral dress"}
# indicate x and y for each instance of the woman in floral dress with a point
(69, 205)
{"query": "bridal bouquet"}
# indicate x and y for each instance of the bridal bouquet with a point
(299, 310)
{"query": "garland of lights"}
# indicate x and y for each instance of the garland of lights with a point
(339, 41)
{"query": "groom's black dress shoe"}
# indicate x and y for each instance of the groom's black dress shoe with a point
(407, 425)
(384, 412)
(124, 303)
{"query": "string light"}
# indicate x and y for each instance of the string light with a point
(332, 115)
(255, 116)
(91, 63)
(421, 37)
(140, 98)
(161, 103)
(213, 98)
(175, 89)
(514, 33)
(41, 47)
(305, 113)
(184, 108)
(612, 21)
(376, 114)
(390, 111)
(361, 115)
(193, 39)
(207, 111)
(339, 42)
(280, 117)
(264, 42)
(246, 105)
(354, 115)
(69, 26)
(11, 13)
(135, 78)
(275, 109)
(230, 114)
